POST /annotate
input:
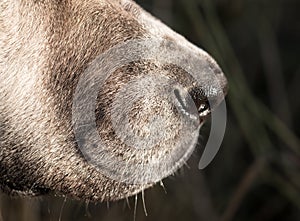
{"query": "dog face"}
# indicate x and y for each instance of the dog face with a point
(98, 99)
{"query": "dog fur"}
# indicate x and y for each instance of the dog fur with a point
(45, 47)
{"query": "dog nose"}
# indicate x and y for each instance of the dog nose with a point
(208, 96)
(221, 79)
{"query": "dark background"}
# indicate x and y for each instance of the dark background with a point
(255, 175)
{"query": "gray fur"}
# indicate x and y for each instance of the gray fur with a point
(45, 47)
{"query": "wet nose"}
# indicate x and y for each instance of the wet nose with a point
(211, 93)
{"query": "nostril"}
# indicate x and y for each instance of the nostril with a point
(179, 98)
(185, 104)
(204, 109)
(193, 104)
(203, 104)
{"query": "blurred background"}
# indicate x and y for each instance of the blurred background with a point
(255, 175)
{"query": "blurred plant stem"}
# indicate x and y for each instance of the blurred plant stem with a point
(285, 188)
(242, 189)
(244, 105)
(23, 209)
(273, 69)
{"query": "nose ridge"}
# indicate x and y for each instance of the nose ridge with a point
(222, 80)
(221, 88)
(209, 92)
(218, 75)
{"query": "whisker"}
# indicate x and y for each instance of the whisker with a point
(61, 209)
(135, 207)
(88, 213)
(144, 203)
(163, 186)
(128, 203)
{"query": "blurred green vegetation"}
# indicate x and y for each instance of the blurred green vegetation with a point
(255, 175)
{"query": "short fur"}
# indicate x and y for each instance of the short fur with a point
(45, 47)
